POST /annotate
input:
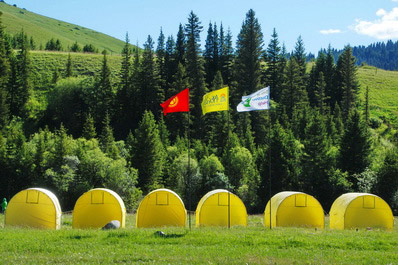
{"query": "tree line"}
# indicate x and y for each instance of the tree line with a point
(380, 54)
(84, 132)
(14, 41)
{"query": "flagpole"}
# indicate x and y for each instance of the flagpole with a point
(269, 168)
(189, 171)
(229, 193)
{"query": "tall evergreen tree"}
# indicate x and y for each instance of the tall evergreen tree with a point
(161, 64)
(249, 49)
(171, 64)
(195, 70)
(123, 97)
(180, 45)
(347, 82)
(355, 147)
(19, 87)
(294, 94)
(211, 53)
(150, 92)
(330, 74)
(89, 131)
(300, 56)
(148, 153)
(226, 53)
(106, 139)
(315, 159)
(69, 71)
(274, 71)
(103, 96)
(4, 75)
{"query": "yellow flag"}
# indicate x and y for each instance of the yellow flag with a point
(216, 100)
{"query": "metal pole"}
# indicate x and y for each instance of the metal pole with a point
(229, 197)
(189, 172)
(269, 168)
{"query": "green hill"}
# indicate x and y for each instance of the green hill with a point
(42, 29)
(383, 92)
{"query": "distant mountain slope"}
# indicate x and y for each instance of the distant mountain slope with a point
(42, 29)
(383, 92)
(382, 55)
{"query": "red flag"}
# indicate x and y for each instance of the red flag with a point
(177, 103)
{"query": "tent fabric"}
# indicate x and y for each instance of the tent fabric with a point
(294, 209)
(360, 210)
(35, 208)
(97, 207)
(212, 209)
(161, 207)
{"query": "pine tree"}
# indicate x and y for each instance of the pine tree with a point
(150, 92)
(195, 71)
(123, 97)
(315, 159)
(69, 72)
(300, 56)
(347, 83)
(19, 86)
(89, 131)
(148, 153)
(161, 64)
(180, 45)
(104, 95)
(249, 49)
(171, 64)
(329, 74)
(355, 147)
(4, 75)
(320, 98)
(294, 94)
(367, 106)
(226, 53)
(211, 53)
(274, 71)
(107, 140)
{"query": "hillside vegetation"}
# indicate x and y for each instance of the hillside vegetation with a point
(383, 92)
(42, 29)
(382, 84)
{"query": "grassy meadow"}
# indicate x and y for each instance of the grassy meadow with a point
(43, 28)
(383, 92)
(252, 245)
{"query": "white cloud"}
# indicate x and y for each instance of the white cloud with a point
(384, 28)
(330, 31)
(394, 0)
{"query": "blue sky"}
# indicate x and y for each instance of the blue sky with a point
(319, 22)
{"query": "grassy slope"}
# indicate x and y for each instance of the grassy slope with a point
(383, 92)
(45, 63)
(253, 245)
(42, 29)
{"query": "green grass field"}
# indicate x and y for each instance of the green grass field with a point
(383, 92)
(252, 245)
(42, 29)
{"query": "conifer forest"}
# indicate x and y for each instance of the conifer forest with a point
(73, 132)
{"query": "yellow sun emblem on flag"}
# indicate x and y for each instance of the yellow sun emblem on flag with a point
(173, 102)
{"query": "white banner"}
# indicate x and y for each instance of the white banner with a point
(259, 100)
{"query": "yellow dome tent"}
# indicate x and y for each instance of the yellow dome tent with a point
(291, 208)
(34, 207)
(213, 209)
(161, 207)
(97, 207)
(360, 210)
